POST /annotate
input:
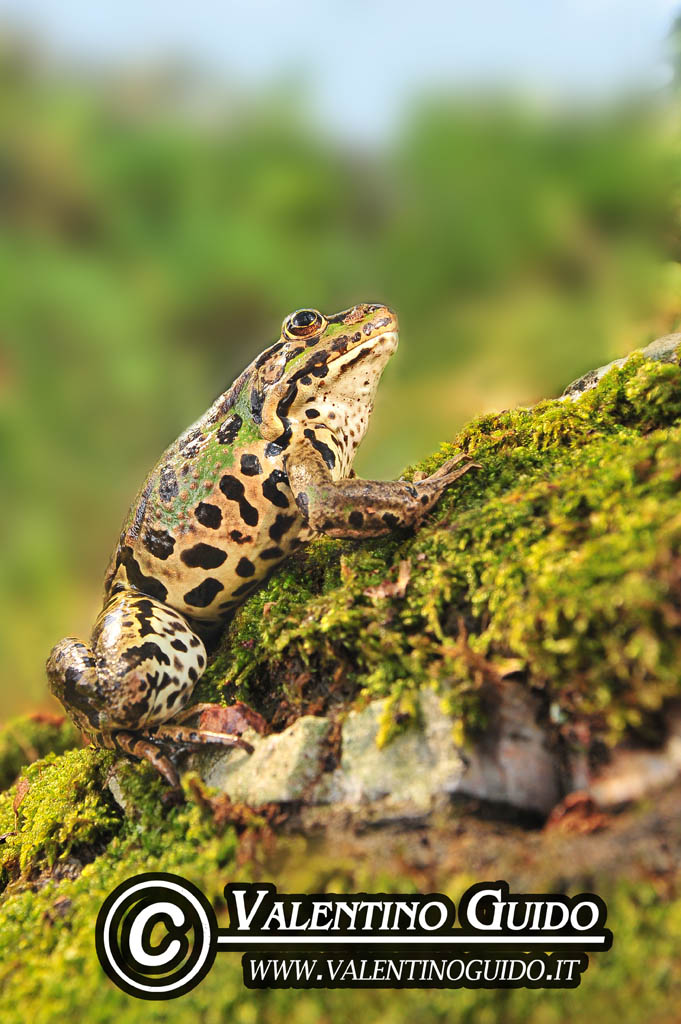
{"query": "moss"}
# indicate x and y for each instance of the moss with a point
(49, 971)
(562, 554)
(57, 805)
(25, 739)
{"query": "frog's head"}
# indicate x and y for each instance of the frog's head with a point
(324, 367)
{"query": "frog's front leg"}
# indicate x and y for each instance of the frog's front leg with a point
(352, 507)
(137, 676)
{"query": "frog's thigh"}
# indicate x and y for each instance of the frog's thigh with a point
(148, 659)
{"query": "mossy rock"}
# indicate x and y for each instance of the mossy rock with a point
(558, 562)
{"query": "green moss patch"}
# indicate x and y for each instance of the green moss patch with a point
(25, 739)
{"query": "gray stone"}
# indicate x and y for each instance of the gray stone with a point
(409, 771)
(514, 763)
(281, 768)
(633, 774)
(663, 349)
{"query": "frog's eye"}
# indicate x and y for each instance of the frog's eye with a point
(303, 323)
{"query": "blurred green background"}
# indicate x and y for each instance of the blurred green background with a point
(150, 247)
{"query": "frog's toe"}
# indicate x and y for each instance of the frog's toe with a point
(452, 470)
(186, 736)
(147, 750)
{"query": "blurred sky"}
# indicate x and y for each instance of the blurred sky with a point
(365, 58)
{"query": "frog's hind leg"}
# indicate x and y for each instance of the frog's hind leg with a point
(145, 750)
(130, 690)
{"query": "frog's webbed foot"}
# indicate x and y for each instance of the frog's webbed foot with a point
(447, 472)
(216, 724)
(145, 750)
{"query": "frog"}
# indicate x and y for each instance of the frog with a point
(268, 466)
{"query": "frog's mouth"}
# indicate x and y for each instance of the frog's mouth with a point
(379, 332)
(381, 345)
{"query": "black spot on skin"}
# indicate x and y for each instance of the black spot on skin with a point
(159, 543)
(144, 611)
(270, 553)
(286, 400)
(412, 490)
(194, 641)
(245, 588)
(240, 538)
(168, 486)
(280, 526)
(177, 664)
(235, 491)
(303, 503)
(424, 499)
(273, 449)
(306, 380)
(269, 488)
(356, 518)
(312, 413)
(200, 660)
(77, 697)
(193, 674)
(148, 651)
(390, 520)
(203, 595)
(208, 515)
(135, 526)
(146, 584)
(250, 465)
(323, 449)
(320, 371)
(178, 645)
(257, 399)
(272, 350)
(340, 344)
(191, 443)
(245, 567)
(229, 429)
(203, 556)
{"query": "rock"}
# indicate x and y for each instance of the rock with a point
(512, 764)
(410, 771)
(280, 769)
(632, 774)
(515, 763)
(664, 350)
